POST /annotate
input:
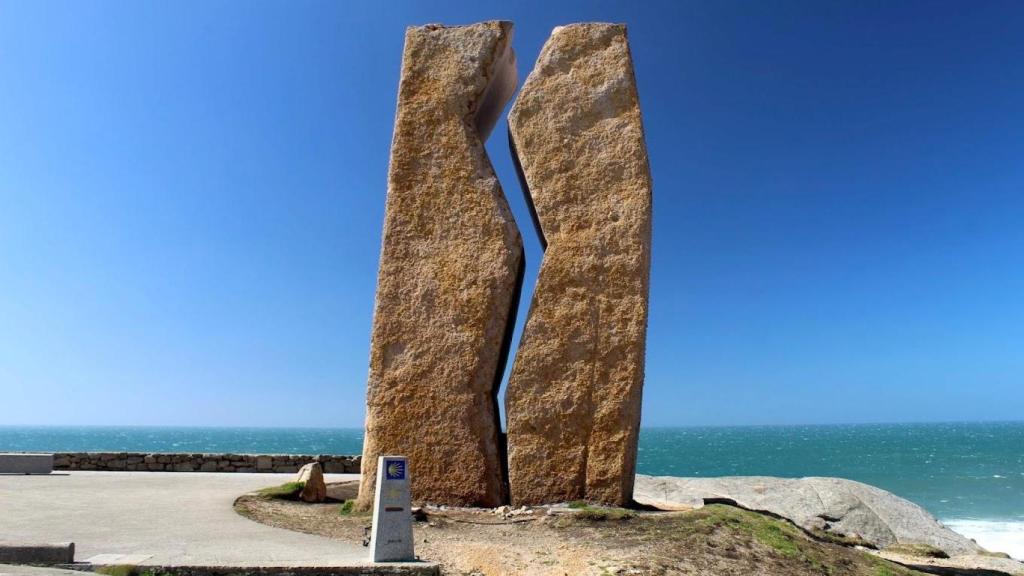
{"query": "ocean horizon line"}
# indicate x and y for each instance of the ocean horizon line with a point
(642, 427)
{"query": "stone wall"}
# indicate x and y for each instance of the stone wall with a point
(137, 461)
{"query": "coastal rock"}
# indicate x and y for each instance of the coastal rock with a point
(965, 564)
(833, 505)
(450, 270)
(314, 488)
(573, 399)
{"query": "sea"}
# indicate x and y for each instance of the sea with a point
(969, 475)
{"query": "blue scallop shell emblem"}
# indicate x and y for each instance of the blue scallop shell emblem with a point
(394, 469)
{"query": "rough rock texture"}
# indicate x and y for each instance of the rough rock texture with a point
(963, 565)
(450, 271)
(573, 399)
(834, 505)
(314, 488)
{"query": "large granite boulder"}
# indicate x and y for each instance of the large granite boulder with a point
(573, 398)
(314, 489)
(450, 268)
(830, 505)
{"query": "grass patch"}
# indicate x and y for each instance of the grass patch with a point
(288, 491)
(841, 539)
(886, 568)
(129, 570)
(586, 511)
(119, 570)
(778, 535)
(918, 550)
(601, 514)
(348, 509)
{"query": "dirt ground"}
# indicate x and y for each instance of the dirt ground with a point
(714, 540)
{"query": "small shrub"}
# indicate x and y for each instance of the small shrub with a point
(348, 508)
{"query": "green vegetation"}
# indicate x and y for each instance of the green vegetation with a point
(886, 568)
(288, 491)
(600, 513)
(130, 570)
(919, 550)
(120, 570)
(348, 508)
(778, 535)
(841, 539)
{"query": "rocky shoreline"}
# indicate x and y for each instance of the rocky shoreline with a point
(837, 510)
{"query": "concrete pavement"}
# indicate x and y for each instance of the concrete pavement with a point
(160, 519)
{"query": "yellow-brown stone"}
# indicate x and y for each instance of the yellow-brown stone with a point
(573, 399)
(451, 263)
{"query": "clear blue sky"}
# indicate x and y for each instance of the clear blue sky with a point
(191, 196)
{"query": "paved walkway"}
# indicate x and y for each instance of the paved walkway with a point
(160, 518)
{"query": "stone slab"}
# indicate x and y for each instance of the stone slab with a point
(450, 269)
(391, 537)
(42, 554)
(574, 394)
(19, 463)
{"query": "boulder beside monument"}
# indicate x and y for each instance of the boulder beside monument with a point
(314, 489)
(573, 398)
(450, 269)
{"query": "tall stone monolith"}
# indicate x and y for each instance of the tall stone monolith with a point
(573, 399)
(450, 269)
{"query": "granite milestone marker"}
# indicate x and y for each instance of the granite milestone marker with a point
(451, 264)
(391, 533)
(573, 398)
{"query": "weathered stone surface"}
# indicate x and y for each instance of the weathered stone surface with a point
(314, 488)
(573, 399)
(451, 264)
(834, 505)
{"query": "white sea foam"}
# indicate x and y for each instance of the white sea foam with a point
(994, 535)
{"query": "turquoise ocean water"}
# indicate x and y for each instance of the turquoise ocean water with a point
(969, 475)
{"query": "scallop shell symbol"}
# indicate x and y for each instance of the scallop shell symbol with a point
(396, 470)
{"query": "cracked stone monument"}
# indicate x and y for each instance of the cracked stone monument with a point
(573, 398)
(450, 270)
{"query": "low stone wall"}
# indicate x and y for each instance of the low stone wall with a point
(141, 462)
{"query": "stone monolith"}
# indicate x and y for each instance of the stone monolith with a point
(450, 270)
(573, 399)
